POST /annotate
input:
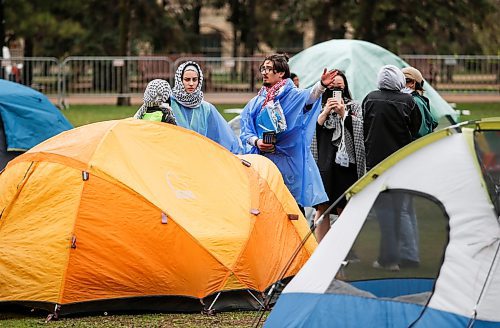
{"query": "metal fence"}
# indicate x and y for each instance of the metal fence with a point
(459, 74)
(128, 76)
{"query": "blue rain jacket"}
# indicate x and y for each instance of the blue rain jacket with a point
(207, 121)
(293, 155)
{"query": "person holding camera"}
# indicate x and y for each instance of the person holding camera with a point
(287, 115)
(340, 145)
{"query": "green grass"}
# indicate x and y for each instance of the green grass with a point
(80, 115)
(479, 110)
(223, 319)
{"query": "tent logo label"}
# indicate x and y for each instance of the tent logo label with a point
(179, 193)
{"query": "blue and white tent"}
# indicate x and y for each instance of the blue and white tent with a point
(27, 117)
(452, 178)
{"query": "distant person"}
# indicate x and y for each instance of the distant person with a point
(415, 83)
(295, 79)
(193, 112)
(279, 123)
(339, 130)
(156, 103)
(391, 121)
(409, 239)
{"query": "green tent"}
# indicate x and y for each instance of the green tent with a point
(360, 61)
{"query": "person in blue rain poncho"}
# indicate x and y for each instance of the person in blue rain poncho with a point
(279, 123)
(194, 113)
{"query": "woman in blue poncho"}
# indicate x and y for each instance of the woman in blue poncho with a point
(192, 112)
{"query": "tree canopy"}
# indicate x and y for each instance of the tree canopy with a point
(95, 27)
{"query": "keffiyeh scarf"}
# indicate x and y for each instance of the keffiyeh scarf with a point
(272, 92)
(157, 94)
(355, 145)
(190, 100)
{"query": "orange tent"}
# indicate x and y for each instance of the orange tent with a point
(131, 214)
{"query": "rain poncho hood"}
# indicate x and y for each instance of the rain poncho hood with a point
(390, 78)
(293, 153)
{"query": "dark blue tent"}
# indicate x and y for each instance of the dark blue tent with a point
(27, 117)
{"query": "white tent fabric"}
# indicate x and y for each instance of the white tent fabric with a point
(468, 284)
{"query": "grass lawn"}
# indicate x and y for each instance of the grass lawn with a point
(84, 114)
(223, 319)
(80, 115)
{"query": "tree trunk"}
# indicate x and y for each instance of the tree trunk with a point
(366, 27)
(196, 26)
(322, 31)
(2, 24)
(122, 71)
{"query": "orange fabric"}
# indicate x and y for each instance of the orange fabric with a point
(212, 241)
(123, 251)
(35, 234)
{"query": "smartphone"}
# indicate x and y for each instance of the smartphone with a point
(269, 137)
(337, 95)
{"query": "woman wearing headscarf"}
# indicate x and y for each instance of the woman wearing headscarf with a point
(156, 103)
(339, 132)
(194, 113)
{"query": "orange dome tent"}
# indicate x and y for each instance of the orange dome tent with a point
(130, 214)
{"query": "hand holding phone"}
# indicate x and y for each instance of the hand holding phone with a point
(269, 137)
(337, 95)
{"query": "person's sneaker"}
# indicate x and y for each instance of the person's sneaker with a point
(352, 257)
(390, 267)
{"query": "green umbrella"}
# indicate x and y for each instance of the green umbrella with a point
(360, 61)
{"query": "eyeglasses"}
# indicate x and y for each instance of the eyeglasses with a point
(409, 80)
(266, 69)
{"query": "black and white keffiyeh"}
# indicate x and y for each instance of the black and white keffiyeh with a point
(190, 100)
(355, 145)
(157, 94)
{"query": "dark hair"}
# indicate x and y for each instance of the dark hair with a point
(280, 64)
(419, 86)
(293, 75)
(329, 92)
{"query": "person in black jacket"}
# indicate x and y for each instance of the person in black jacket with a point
(391, 121)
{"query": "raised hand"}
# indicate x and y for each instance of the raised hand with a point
(327, 77)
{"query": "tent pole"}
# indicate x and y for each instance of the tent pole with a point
(270, 294)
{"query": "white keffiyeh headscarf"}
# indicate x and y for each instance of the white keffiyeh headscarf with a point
(157, 93)
(190, 100)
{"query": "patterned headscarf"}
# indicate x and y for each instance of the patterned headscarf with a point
(190, 100)
(157, 94)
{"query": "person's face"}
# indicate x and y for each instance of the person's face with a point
(410, 83)
(190, 81)
(338, 82)
(296, 81)
(269, 77)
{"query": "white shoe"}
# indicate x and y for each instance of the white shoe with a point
(390, 267)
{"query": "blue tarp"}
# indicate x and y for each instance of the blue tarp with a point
(28, 116)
